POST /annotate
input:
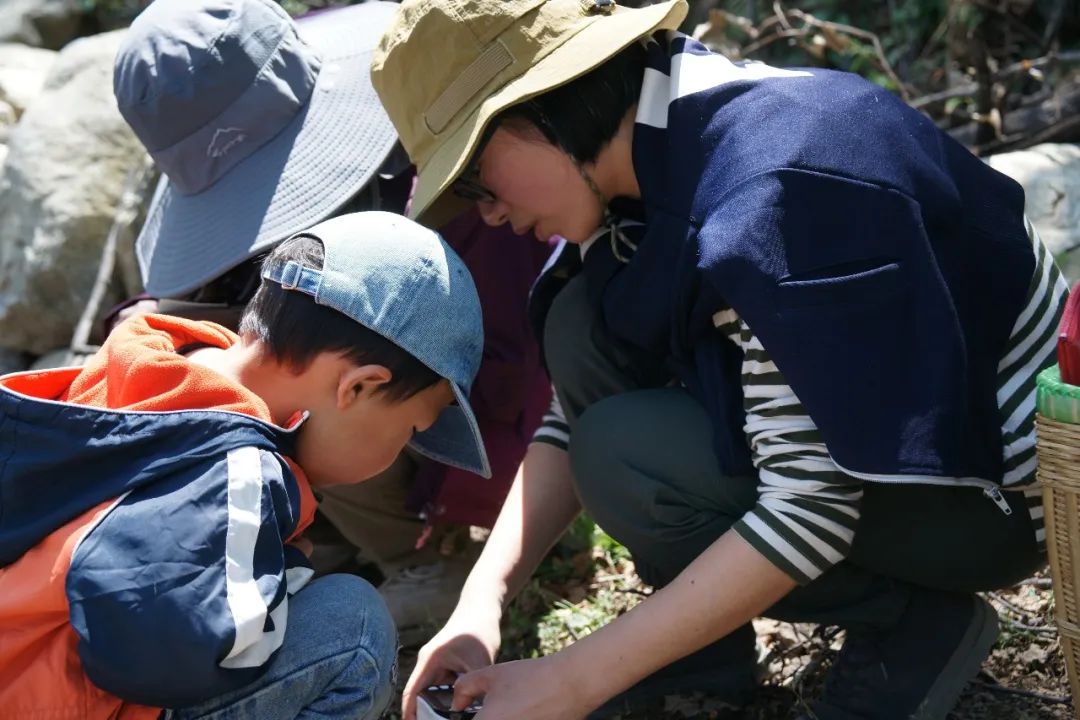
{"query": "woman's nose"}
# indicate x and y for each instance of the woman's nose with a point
(493, 212)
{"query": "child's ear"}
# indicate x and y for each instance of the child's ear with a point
(359, 379)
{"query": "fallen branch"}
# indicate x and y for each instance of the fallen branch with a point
(126, 212)
(1055, 120)
(1047, 629)
(629, 590)
(1045, 697)
(1024, 66)
(875, 41)
(788, 31)
(1022, 612)
(799, 678)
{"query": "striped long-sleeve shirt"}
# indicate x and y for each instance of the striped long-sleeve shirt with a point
(1032, 347)
(808, 508)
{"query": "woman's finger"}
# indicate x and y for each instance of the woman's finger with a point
(469, 688)
(437, 668)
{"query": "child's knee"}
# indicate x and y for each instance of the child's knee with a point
(360, 614)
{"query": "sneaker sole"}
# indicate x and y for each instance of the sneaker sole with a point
(964, 664)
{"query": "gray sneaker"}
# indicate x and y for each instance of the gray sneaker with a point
(421, 597)
(915, 670)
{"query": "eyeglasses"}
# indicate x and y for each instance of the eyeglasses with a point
(468, 187)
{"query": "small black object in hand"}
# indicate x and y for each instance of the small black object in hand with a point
(441, 697)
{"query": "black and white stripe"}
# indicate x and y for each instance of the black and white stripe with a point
(553, 428)
(1032, 347)
(807, 507)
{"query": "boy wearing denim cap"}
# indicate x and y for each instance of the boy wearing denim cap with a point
(153, 500)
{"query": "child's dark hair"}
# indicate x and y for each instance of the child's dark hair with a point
(584, 115)
(295, 329)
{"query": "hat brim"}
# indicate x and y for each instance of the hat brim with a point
(586, 50)
(329, 151)
(454, 439)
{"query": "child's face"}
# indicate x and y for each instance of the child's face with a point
(361, 431)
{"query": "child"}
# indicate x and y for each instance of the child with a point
(189, 65)
(149, 552)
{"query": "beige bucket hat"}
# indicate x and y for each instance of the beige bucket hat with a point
(444, 68)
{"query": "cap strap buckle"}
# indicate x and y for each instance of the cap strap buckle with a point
(294, 276)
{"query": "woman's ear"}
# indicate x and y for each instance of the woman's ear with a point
(359, 380)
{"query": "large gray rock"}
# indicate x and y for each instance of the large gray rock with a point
(22, 73)
(41, 23)
(1050, 176)
(62, 357)
(69, 158)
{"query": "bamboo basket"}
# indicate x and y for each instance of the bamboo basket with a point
(1058, 450)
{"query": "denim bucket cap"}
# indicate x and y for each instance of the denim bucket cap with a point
(262, 126)
(403, 281)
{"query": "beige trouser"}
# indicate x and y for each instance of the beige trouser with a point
(371, 516)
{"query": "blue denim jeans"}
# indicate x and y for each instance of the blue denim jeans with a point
(338, 660)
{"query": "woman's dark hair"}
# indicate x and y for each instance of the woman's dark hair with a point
(294, 329)
(583, 116)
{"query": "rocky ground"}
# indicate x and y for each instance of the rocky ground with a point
(576, 592)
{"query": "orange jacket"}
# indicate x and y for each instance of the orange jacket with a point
(112, 475)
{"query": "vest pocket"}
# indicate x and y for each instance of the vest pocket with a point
(840, 285)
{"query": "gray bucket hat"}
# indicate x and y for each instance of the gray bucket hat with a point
(262, 127)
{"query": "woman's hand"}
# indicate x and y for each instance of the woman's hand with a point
(542, 499)
(467, 642)
(524, 690)
(725, 587)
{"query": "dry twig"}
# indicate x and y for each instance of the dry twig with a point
(783, 18)
(1045, 697)
(1024, 66)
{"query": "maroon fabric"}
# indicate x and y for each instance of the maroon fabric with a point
(1068, 343)
(512, 391)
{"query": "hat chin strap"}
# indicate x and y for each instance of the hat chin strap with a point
(608, 219)
(593, 187)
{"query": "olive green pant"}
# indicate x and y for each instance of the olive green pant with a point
(644, 468)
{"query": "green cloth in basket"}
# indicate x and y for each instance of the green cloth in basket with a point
(1056, 399)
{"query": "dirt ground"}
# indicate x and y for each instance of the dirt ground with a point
(1024, 678)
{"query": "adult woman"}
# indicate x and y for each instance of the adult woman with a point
(851, 431)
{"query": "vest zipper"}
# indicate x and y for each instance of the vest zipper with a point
(994, 493)
(989, 489)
